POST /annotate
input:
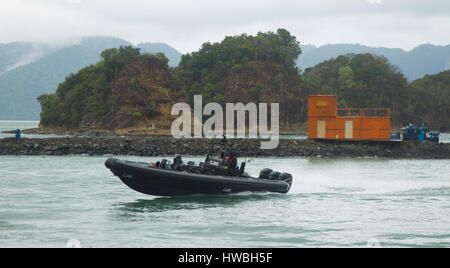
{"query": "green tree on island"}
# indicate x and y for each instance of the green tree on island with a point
(361, 81)
(82, 96)
(203, 71)
(260, 68)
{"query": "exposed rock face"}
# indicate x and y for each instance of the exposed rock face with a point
(141, 97)
(276, 83)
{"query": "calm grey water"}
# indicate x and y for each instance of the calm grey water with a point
(46, 201)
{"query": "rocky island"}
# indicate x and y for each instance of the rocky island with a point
(122, 104)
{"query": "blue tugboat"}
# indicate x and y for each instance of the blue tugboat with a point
(419, 133)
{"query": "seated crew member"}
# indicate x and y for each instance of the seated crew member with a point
(232, 160)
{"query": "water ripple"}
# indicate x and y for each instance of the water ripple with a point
(46, 201)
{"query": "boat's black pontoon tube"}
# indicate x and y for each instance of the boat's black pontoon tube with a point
(214, 176)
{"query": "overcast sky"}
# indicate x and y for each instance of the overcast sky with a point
(186, 24)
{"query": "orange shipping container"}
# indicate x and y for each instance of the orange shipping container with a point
(326, 121)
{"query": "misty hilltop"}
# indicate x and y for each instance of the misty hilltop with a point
(28, 70)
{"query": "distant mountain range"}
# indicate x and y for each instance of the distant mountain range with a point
(28, 70)
(414, 64)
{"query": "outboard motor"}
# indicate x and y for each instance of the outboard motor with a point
(264, 174)
(286, 177)
(274, 175)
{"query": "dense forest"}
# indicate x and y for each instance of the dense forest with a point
(370, 81)
(362, 80)
(258, 68)
(429, 100)
(247, 68)
(204, 71)
(86, 96)
(414, 64)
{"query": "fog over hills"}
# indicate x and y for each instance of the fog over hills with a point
(28, 70)
(14, 55)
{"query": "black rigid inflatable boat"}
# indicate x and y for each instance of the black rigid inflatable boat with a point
(214, 176)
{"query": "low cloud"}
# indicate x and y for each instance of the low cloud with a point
(186, 24)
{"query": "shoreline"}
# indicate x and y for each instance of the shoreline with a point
(121, 133)
(157, 145)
